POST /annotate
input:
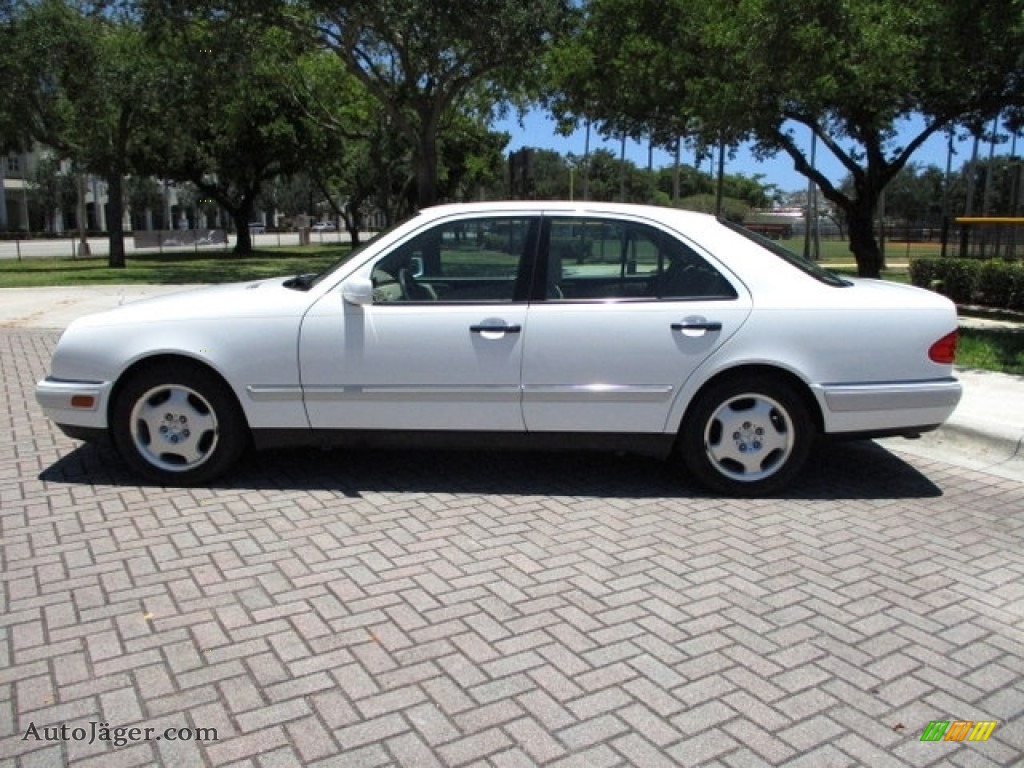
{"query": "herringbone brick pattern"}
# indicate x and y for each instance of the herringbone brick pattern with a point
(433, 609)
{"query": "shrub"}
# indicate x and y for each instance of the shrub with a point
(924, 273)
(994, 283)
(1016, 281)
(959, 280)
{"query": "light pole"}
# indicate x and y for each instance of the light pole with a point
(83, 243)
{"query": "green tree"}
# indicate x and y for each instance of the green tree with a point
(749, 189)
(691, 182)
(914, 193)
(230, 118)
(143, 193)
(849, 72)
(551, 177)
(349, 146)
(471, 158)
(290, 196)
(91, 95)
(53, 189)
(425, 61)
(17, 62)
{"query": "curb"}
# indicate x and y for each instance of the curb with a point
(966, 446)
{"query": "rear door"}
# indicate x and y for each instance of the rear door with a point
(629, 311)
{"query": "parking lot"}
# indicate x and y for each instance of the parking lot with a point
(452, 609)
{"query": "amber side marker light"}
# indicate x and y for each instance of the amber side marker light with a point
(83, 401)
(944, 350)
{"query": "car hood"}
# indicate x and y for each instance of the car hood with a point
(259, 298)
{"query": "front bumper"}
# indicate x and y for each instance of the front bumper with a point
(74, 404)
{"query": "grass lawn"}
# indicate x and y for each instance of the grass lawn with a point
(169, 268)
(991, 350)
(838, 251)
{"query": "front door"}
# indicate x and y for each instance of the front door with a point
(440, 347)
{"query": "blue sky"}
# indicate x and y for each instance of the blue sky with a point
(538, 130)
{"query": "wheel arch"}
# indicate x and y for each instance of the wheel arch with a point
(169, 358)
(798, 385)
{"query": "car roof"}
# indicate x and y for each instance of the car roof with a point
(660, 213)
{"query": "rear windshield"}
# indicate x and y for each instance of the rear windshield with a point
(803, 264)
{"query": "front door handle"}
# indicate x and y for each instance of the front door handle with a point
(697, 325)
(494, 328)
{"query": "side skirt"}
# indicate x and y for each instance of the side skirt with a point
(656, 445)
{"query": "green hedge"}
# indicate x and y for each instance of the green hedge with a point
(992, 283)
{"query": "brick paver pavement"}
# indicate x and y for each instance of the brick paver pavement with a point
(454, 609)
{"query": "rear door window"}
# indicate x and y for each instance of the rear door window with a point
(600, 259)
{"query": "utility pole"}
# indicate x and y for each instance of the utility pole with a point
(83, 242)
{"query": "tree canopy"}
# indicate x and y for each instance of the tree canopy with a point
(90, 93)
(390, 103)
(426, 61)
(849, 72)
(230, 117)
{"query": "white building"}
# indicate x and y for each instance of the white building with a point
(21, 210)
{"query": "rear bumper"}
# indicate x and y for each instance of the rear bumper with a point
(891, 407)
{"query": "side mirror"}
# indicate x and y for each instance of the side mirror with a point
(357, 290)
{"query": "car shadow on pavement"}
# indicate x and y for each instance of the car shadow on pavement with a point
(855, 470)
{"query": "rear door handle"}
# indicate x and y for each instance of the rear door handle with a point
(697, 325)
(493, 328)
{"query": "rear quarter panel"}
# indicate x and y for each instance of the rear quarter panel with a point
(867, 333)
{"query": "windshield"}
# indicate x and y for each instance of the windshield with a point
(313, 280)
(803, 264)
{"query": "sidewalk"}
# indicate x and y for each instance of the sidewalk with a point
(987, 427)
(55, 307)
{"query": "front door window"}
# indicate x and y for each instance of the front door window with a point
(466, 261)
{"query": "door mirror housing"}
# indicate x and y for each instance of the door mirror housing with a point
(357, 290)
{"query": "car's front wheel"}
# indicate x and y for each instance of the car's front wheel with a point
(178, 425)
(746, 436)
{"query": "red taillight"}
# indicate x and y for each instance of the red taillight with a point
(943, 350)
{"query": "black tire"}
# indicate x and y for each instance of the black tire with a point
(178, 424)
(746, 435)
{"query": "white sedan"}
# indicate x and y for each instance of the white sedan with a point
(525, 324)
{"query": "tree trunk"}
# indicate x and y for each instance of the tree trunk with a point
(426, 169)
(115, 221)
(352, 219)
(863, 244)
(243, 240)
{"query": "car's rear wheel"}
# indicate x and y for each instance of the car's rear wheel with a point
(178, 425)
(746, 436)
